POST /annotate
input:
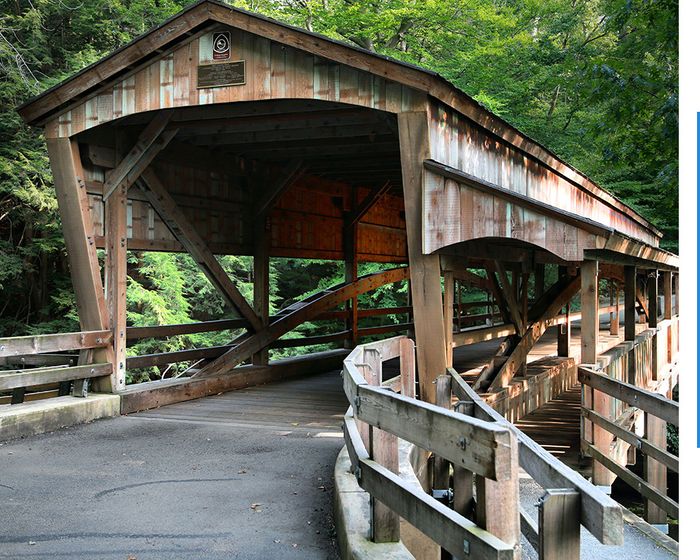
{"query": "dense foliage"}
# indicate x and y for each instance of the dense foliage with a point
(596, 81)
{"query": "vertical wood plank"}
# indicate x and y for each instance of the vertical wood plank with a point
(497, 504)
(384, 449)
(64, 156)
(630, 311)
(426, 291)
(448, 315)
(655, 473)
(407, 349)
(615, 313)
(115, 271)
(668, 297)
(559, 529)
(261, 280)
(589, 332)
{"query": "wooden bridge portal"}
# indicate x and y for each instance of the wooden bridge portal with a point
(222, 132)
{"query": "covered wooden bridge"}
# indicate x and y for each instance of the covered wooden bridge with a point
(221, 132)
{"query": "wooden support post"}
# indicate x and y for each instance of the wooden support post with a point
(564, 332)
(69, 181)
(655, 473)
(448, 314)
(261, 280)
(653, 291)
(630, 323)
(668, 296)
(498, 504)
(115, 270)
(509, 290)
(539, 280)
(458, 301)
(677, 292)
(589, 343)
(559, 529)
(426, 292)
(653, 305)
(589, 333)
(407, 349)
(589, 312)
(615, 303)
(525, 282)
(350, 253)
(441, 467)
(383, 448)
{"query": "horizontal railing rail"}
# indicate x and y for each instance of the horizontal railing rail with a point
(380, 416)
(54, 369)
(599, 513)
(599, 447)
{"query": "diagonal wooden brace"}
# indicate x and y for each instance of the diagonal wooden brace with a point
(150, 142)
(186, 234)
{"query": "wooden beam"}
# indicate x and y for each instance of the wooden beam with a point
(564, 330)
(559, 525)
(186, 234)
(655, 472)
(448, 315)
(426, 291)
(651, 403)
(305, 311)
(42, 343)
(267, 199)
(261, 280)
(615, 304)
(630, 316)
(508, 294)
(140, 156)
(13, 379)
(369, 201)
(589, 340)
(519, 354)
(77, 223)
(115, 208)
(668, 295)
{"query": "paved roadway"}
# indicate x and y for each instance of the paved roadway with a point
(242, 475)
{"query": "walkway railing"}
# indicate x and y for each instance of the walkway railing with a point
(48, 352)
(477, 457)
(626, 406)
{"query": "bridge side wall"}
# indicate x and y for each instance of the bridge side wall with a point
(459, 143)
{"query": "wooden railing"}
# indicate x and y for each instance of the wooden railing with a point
(570, 501)
(378, 416)
(620, 417)
(651, 404)
(54, 368)
(477, 454)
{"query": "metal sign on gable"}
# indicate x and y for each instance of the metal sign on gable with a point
(221, 45)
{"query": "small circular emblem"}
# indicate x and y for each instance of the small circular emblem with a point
(222, 43)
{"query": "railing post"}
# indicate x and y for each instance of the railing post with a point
(559, 529)
(441, 467)
(448, 314)
(383, 448)
(497, 503)
(564, 331)
(615, 313)
(653, 286)
(655, 473)
(407, 361)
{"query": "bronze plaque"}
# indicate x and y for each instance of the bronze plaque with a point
(221, 74)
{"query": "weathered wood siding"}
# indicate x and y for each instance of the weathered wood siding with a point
(454, 212)
(273, 71)
(307, 220)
